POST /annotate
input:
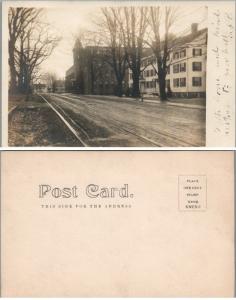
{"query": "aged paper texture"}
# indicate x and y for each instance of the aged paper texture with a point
(75, 74)
(118, 224)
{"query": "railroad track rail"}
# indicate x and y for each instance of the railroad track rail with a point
(74, 131)
(118, 126)
(114, 124)
(11, 112)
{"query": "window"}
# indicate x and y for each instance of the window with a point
(182, 53)
(152, 72)
(182, 67)
(147, 73)
(176, 68)
(168, 70)
(197, 52)
(176, 82)
(197, 81)
(182, 82)
(176, 55)
(130, 76)
(197, 66)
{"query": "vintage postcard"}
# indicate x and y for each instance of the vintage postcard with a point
(118, 74)
(117, 224)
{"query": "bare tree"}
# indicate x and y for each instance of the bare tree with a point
(157, 18)
(116, 55)
(18, 20)
(30, 43)
(133, 24)
(50, 78)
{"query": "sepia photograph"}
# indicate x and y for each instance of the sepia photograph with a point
(103, 74)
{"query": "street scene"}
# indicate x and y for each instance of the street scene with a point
(119, 76)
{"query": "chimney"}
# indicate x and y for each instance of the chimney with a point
(194, 28)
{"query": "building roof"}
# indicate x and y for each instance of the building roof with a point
(70, 71)
(183, 40)
(179, 42)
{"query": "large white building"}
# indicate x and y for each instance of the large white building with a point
(186, 73)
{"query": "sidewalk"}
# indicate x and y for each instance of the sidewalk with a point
(198, 103)
(181, 102)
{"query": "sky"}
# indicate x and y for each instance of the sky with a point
(69, 18)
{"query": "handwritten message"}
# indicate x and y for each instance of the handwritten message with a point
(221, 78)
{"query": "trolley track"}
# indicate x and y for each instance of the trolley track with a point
(82, 135)
(77, 127)
(66, 122)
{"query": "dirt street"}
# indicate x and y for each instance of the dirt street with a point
(105, 121)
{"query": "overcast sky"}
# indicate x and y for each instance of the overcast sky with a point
(70, 17)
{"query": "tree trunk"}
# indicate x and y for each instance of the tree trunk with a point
(21, 69)
(92, 74)
(13, 73)
(28, 92)
(26, 89)
(119, 88)
(13, 82)
(92, 87)
(162, 85)
(135, 89)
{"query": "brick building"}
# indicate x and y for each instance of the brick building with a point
(90, 74)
